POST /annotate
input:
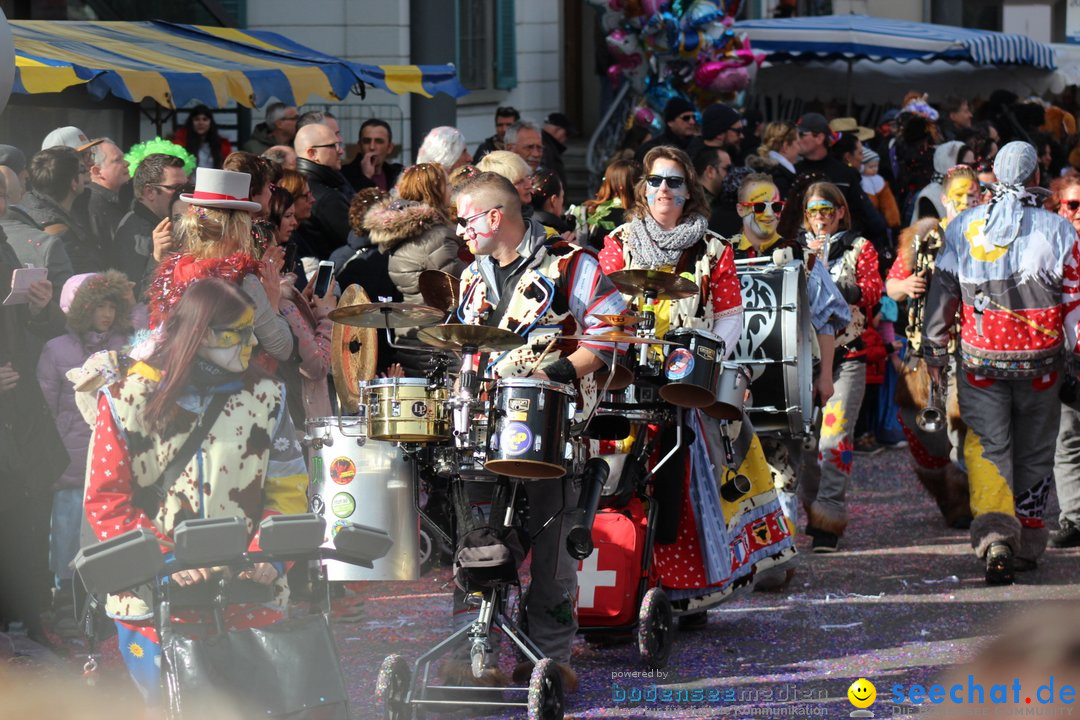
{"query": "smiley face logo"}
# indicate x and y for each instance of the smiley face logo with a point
(862, 693)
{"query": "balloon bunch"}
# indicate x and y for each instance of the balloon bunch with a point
(668, 48)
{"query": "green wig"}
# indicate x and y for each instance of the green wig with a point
(139, 151)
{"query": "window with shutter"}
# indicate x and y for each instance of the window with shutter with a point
(486, 55)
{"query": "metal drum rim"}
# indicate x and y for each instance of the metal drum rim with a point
(563, 388)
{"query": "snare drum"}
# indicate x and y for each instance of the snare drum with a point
(405, 410)
(730, 393)
(529, 428)
(775, 347)
(692, 368)
(357, 480)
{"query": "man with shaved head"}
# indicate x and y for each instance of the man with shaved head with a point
(318, 158)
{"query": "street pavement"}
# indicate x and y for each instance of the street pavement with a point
(901, 604)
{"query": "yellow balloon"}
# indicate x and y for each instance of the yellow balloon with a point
(862, 693)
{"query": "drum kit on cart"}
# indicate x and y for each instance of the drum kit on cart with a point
(457, 425)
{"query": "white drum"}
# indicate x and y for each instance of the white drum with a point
(354, 479)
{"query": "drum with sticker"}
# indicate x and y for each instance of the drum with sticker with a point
(406, 410)
(358, 480)
(529, 428)
(692, 368)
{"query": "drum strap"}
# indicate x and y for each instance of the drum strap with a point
(149, 498)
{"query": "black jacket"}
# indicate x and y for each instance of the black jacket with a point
(552, 159)
(104, 213)
(667, 138)
(359, 180)
(85, 255)
(489, 145)
(132, 250)
(328, 227)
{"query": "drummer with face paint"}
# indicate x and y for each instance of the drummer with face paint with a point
(198, 383)
(760, 206)
(520, 282)
(698, 530)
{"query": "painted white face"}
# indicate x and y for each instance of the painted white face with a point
(475, 225)
(761, 210)
(230, 348)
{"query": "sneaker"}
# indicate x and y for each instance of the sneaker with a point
(1067, 536)
(523, 673)
(999, 564)
(824, 541)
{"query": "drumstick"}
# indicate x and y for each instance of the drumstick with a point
(540, 359)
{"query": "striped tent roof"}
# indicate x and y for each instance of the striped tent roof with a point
(834, 37)
(175, 64)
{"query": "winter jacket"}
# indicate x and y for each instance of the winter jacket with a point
(552, 157)
(132, 250)
(261, 140)
(104, 212)
(360, 262)
(356, 177)
(60, 355)
(224, 146)
(328, 227)
(85, 255)
(35, 247)
(414, 238)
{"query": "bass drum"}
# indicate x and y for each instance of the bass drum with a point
(775, 347)
(357, 480)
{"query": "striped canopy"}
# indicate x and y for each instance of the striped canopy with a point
(176, 64)
(859, 37)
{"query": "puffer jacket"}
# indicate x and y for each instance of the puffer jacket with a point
(70, 351)
(416, 239)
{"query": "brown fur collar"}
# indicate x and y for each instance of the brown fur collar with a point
(395, 221)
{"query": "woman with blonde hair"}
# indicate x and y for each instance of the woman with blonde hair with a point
(415, 232)
(215, 240)
(777, 155)
(514, 168)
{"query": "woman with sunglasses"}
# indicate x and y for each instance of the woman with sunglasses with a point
(667, 230)
(198, 394)
(416, 233)
(852, 262)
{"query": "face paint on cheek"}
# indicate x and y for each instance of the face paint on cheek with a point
(651, 198)
(961, 194)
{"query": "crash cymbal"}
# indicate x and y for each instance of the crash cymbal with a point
(480, 337)
(440, 289)
(354, 353)
(619, 321)
(393, 315)
(619, 338)
(666, 285)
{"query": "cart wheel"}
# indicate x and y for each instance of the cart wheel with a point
(545, 692)
(393, 686)
(655, 635)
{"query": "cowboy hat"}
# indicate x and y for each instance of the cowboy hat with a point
(850, 125)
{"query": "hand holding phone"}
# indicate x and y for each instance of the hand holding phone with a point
(323, 277)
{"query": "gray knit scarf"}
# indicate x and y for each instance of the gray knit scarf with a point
(654, 247)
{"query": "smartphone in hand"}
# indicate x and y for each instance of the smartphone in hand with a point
(323, 277)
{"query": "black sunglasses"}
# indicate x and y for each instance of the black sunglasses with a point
(759, 207)
(688, 117)
(1073, 205)
(674, 182)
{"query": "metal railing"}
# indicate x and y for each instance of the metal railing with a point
(609, 134)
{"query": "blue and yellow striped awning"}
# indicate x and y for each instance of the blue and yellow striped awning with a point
(176, 64)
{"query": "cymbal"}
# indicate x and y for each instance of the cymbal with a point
(480, 337)
(381, 315)
(666, 285)
(354, 353)
(440, 289)
(619, 320)
(619, 339)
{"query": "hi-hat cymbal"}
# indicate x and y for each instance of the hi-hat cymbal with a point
(479, 337)
(619, 338)
(440, 289)
(383, 315)
(619, 321)
(665, 285)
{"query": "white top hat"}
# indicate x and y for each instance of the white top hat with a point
(222, 189)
